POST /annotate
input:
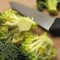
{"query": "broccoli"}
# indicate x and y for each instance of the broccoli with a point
(41, 5)
(12, 18)
(3, 32)
(8, 51)
(1, 19)
(37, 48)
(19, 38)
(25, 24)
(17, 42)
(51, 6)
(58, 6)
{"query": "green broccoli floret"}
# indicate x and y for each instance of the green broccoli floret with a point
(38, 48)
(3, 32)
(51, 6)
(41, 5)
(26, 23)
(1, 19)
(13, 19)
(58, 6)
(19, 38)
(8, 51)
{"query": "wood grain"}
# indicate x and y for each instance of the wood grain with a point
(4, 5)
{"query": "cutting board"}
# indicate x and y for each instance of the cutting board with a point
(4, 5)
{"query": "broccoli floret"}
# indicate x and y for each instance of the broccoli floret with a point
(25, 24)
(3, 32)
(18, 38)
(58, 6)
(8, 51)
(1, 19)
(13, 19)
(41, 5)
(23, 36)
(51, 6)
(38, 48)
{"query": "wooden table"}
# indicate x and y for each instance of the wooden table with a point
(4, 5)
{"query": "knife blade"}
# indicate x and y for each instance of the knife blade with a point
(45, 21)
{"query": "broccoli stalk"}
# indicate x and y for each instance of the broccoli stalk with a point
(51, 6)
(13, 19)
(38, 48)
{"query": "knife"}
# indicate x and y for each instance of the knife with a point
(50, 24)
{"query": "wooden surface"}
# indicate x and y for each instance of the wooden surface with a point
(4, 5)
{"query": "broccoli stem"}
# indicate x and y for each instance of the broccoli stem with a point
(37, 44)
(52, 6)
(41, 5)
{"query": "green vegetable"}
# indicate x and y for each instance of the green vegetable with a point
(41, 5)
(51, 6)
(3, 32)
(38, 48)
(58, 6)
(1, 19)
(20, 38)
(13, 37)
(17, 42)
(25, 23)
(12, 18)
(8, 52)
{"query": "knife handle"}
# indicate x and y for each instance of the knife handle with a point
(55, 28)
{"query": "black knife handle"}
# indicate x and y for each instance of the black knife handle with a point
(55, 28)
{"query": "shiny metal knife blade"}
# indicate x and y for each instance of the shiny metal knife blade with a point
(43, 20)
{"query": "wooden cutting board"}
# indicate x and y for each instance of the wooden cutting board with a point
(4, 5)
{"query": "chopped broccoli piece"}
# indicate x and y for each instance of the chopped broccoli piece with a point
(18, 38)
(1, 19)
(38, 48)
(41, 5)
(12, 19)
(3, 32)
(25, 24)
(8, 51)
(51, 6)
